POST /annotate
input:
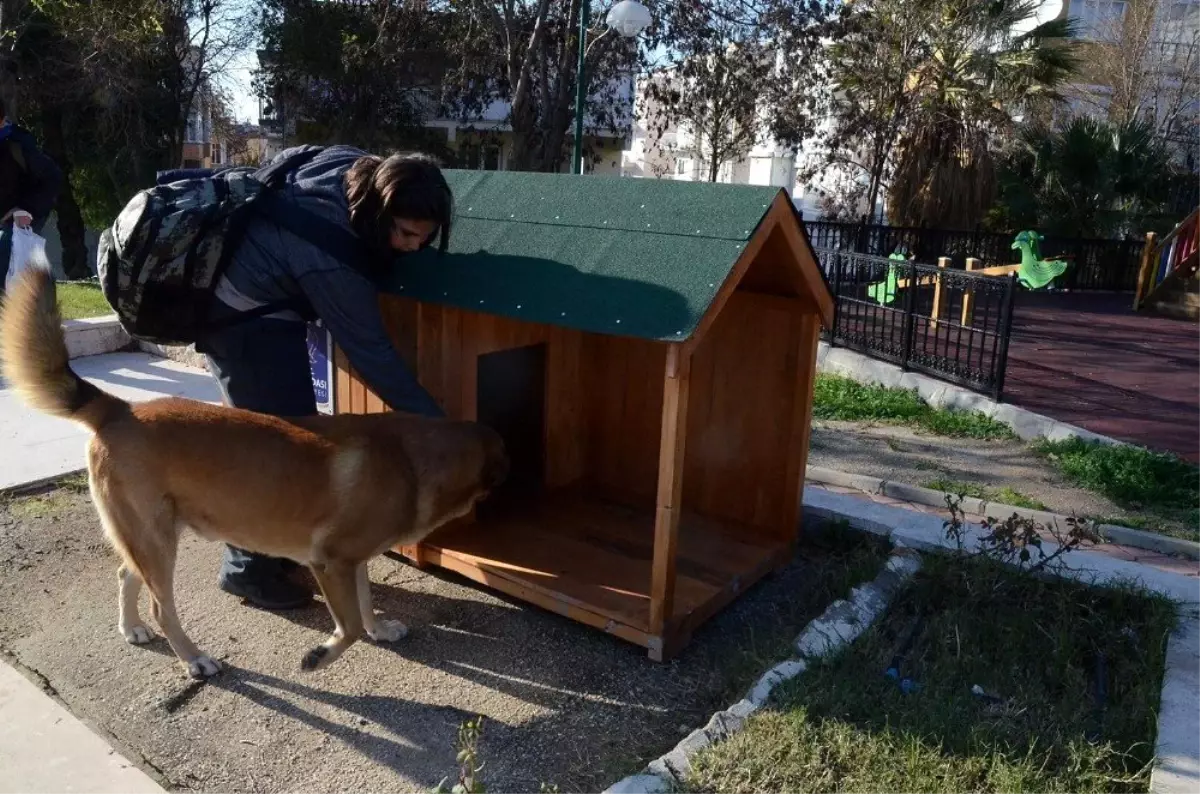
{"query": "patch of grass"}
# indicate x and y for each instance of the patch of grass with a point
(1162, 489)
(1034, 645)
(47, 501)
(840, 398)
(1005, 495)
(78, 300)
(1132, 477)
(840, 560)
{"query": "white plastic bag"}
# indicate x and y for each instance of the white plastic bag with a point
(26, 243)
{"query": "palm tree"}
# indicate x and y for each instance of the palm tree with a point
(1086, 178)
(979, 72)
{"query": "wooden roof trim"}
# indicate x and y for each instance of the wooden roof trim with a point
(813, 278)
(782, 214)
(736, 273)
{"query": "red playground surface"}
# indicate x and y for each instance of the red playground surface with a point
(1088, 359)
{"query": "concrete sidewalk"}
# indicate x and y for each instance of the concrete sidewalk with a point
(43, 748)
(35, 447)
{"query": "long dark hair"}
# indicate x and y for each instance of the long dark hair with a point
(402, 186)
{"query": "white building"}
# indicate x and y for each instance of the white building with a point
(678, 153)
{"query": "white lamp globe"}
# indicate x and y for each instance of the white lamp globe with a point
(628, 18)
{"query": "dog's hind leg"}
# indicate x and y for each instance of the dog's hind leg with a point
(149, 543)
(129, 583)
(337, 581)
(160, 578)
(378, 629)
(129, 621)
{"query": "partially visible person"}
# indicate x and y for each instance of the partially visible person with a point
(389, 207)
(29, 185)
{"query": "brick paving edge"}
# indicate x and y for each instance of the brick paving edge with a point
(1124, 536)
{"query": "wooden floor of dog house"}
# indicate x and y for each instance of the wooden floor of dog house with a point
(591, 559)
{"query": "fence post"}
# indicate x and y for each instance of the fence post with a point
(1144, 269)
(837, 297)
(968, 306)
(936, 313)
(1001, 364)
(910, 301)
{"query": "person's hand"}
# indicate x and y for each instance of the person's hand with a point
(22, 219)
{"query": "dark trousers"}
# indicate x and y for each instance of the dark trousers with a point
(261, 365)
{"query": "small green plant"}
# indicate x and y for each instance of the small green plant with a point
(469, 765)
(1005, 495)
(1018, 539)
(839, 398)
(1133, 477)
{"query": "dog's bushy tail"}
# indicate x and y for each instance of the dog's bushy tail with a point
(33, 353)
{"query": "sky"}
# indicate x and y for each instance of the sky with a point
(241, 77)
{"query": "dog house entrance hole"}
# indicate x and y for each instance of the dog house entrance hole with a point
(511, 399)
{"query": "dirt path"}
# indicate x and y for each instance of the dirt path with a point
(899, 454)
(563, 704)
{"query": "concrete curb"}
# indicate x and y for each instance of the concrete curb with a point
(839, 625)
(1125, 536)
(1177, 754)
(95, 336)
(45, 748)
(39, 484)
(925, 532)
(184, 354)
(1028, 426)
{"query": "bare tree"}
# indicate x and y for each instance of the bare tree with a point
(523, 53)
(877, 81)
(1141, 60)
(742, 72)
(352, 72)
(200, 38)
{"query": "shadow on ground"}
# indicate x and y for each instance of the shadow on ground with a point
(562, 704)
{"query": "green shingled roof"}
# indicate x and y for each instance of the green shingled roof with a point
(630, 257)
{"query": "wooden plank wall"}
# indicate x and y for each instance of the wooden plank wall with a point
(743, 391)
(442, 344)
(605, 400)
(623, 392)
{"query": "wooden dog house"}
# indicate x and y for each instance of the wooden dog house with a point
(647, 350)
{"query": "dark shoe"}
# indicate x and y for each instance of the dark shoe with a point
(275, 593)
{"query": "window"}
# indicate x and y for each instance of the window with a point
(193, 128)
(683, 165)
(1098, 19)
(479, 157)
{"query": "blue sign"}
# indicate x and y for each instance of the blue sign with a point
(318, 361)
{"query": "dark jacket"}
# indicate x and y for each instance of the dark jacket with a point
(32, 186)
(273, 265)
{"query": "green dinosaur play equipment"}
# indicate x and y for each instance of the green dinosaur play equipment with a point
(884, 292)
(1035, 272)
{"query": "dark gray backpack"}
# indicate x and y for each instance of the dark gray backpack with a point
(160, 261)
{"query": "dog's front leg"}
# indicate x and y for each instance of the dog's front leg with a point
(377, 629)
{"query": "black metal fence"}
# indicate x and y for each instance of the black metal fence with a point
(1099, 265)
(950, 324)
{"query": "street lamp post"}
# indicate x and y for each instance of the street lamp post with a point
(628, 18)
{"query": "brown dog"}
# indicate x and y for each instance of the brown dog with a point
(328, 492)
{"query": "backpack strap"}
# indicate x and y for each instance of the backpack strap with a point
(276, 173)
(320, 232)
